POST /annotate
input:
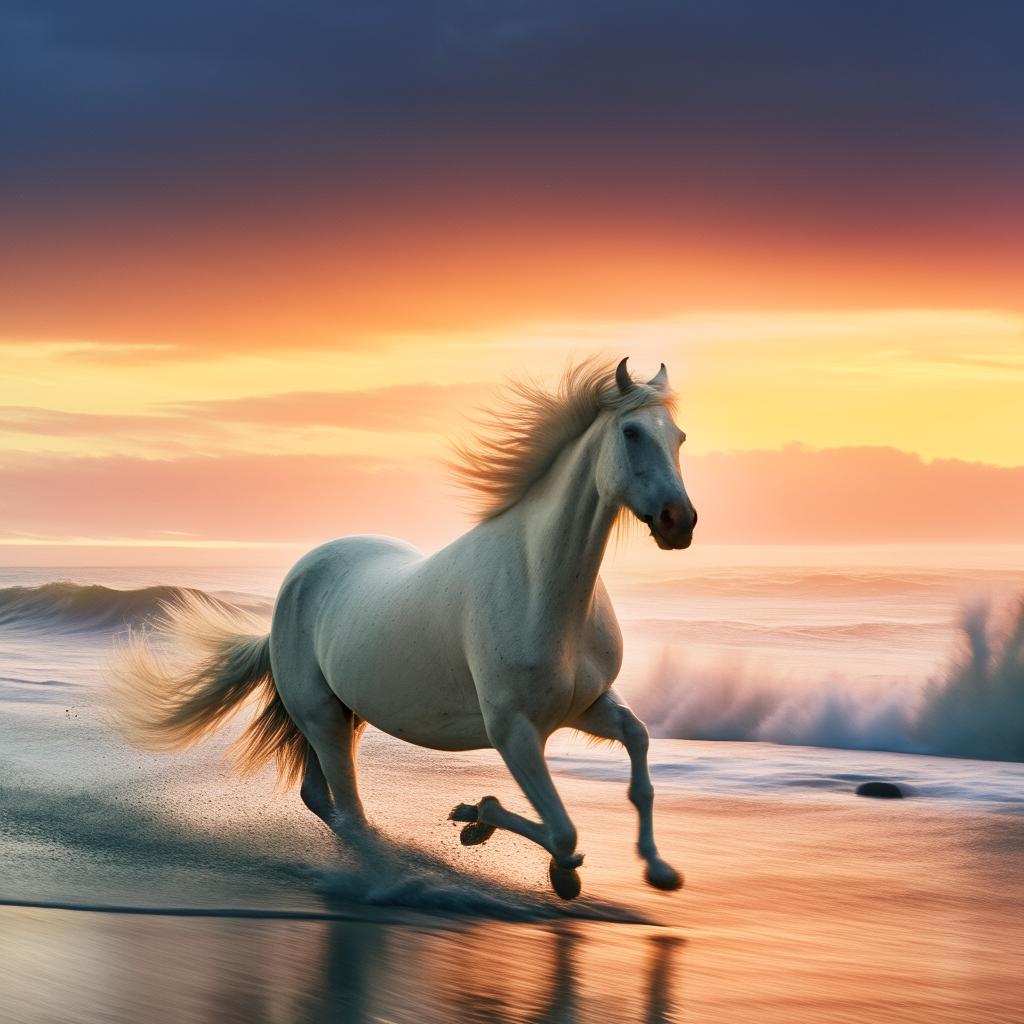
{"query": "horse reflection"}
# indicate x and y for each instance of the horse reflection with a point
(355, 969)
(561, 1005)
(659, 980)
(374, 971)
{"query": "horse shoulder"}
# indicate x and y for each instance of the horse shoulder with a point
(549, 678)
(519, 669)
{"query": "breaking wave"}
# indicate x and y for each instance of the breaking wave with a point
(66, 607)
(974, 710)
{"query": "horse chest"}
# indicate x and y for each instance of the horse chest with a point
(589, 684)
(596, 668)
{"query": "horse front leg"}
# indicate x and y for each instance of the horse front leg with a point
(521, 747)
(611, 719)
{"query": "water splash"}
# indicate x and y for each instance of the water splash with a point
(975, 709)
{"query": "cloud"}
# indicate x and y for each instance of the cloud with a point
(302, 498)
(25, 419)
(856, 494)
(407, 407)
(790, 496)
(219, 427)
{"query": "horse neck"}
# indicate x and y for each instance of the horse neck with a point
(566, 525)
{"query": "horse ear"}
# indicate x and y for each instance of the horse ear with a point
(660, 379)
(622, 377)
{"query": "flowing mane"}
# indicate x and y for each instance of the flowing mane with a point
(518, 442)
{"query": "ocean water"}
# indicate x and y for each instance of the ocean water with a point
(855, 648)
(162, 886)
(909, 651)
(783, 656)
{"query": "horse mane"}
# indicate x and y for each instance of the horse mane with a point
(518, 442)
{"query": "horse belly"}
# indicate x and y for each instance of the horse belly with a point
(437, 718)
(440, 719)
(407, 683)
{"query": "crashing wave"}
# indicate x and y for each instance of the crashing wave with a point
(975, 709)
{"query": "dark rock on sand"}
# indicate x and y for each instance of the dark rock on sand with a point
(883, 790)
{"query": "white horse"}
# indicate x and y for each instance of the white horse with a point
(497, 640)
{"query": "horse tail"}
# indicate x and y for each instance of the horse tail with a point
(177, 683)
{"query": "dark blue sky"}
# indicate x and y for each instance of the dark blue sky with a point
(106, 94)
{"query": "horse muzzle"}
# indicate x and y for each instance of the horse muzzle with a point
(672, 528)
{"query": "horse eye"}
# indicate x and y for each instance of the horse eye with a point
(631, 433)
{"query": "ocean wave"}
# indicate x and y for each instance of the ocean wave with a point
(63, 606)
(32, 691)
(827, 635)
(791, 583)
(974, 710)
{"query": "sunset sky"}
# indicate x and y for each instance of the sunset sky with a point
(258, 260)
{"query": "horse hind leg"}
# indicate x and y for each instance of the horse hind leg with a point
(334, 738)
(315, 792)
(332, 731)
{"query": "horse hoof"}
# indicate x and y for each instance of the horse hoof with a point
(348, 826)
(463, 812)
(663, 876)
(565, 881)
(476, 833)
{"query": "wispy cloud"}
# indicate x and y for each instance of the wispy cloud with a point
(792, 495)
(409, 407)
(938, 381)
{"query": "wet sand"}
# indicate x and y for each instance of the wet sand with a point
(815, 906)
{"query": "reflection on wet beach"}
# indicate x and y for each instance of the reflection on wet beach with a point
(94, 968)
(818, 907)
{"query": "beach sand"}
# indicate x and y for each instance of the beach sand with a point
(810, 904)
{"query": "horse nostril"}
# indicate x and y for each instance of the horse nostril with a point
(667, 519)
(694, 518)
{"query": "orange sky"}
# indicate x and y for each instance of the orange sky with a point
(325, 270)
(251, 282)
